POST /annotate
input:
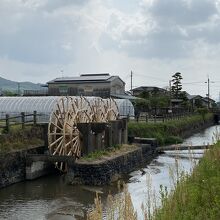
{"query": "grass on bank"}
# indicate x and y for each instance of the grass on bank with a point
(18, 138)
(109, 152)
(196, 196)
(169, 132)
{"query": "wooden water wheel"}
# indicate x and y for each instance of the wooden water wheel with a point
(111, 109)
(98, 110)
(63, 135)
(64, 138)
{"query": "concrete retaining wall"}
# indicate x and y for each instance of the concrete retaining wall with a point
(109, 170)
(13, 165)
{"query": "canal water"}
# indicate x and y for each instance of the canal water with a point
(50, 198)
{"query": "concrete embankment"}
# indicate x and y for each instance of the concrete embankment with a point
(110, 169)
(14, 169)
(19, 166)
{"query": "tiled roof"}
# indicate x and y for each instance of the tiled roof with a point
(85, 78)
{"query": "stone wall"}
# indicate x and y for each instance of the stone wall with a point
(13, 165)
(105, 171)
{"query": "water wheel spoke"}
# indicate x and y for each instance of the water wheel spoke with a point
(71, 141)
(62, 101)
(60, 112)
(60, 151)
(57, 117)
(58, 147)
(56, 141)
(53, 133)
(76, 148)
(57, 126)
(70, 153)
(74, 145)
(67, 123)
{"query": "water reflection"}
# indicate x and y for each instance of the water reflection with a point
(205, 137)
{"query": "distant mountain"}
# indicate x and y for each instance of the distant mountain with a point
(6, 84)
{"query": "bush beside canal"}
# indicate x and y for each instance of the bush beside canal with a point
(18, 139)
(169, 132)
(196, 196)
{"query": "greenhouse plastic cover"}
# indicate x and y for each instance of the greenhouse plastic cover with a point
(44, 105)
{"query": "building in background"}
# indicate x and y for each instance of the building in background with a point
(197, 101)
(103, 85)
(150, 90)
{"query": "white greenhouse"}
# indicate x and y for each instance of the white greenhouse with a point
(44, 106)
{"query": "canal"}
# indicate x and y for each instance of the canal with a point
(50, 198)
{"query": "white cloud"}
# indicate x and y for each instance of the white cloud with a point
(153, 38)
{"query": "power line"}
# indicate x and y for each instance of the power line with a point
(185, 83)
(147, 76)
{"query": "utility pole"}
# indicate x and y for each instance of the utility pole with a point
(208, 95)
(170, 88)
(131, 81)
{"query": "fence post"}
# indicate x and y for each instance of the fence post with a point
(22, 119)
(7, 123)
(146, 118)
(35, 118)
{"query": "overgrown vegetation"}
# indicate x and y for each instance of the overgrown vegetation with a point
(114, 150)
(120, 208)
(196, 196)
(169, 132)
(19, 138)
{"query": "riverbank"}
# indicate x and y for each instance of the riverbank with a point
(22, 139)
(13, 166)
(111, 166)
(170, 132)
(196, 196)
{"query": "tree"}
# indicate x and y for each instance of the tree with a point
(176, 85)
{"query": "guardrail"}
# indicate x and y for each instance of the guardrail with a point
(22, 119)
(159, 118)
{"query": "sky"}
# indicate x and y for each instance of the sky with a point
(44, 39)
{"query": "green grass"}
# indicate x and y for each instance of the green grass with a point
(196, 196)
(18, 138)
(169, 132)
(100, 154)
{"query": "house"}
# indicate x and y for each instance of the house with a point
(150, 90)
(197, 101)
(210, 102)
(103, 85)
